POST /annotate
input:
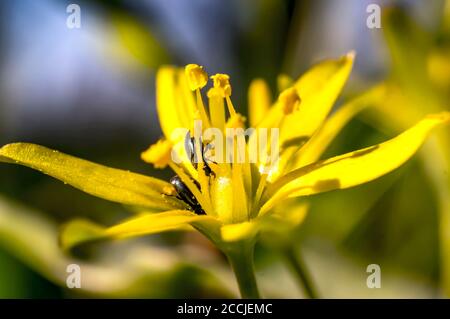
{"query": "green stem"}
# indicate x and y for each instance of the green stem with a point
(240, 258)
(302, 273)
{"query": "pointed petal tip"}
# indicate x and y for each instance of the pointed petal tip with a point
(351, 55)
(443, 117)
(77, 232)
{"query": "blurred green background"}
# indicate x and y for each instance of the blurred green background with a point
(90, 92)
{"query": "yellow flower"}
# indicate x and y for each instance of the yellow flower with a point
(231, 201)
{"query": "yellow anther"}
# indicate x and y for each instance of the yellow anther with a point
(222, 82)
(290, 100)
(158, 154)
(196, 76)
(197, 79)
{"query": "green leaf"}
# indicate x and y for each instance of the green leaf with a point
(29, 236)
(105, 182)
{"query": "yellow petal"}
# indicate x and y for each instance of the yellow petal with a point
(240, 208)
(318, 89)
(98, 180)
(353, 168)
(153, 223)
(290, 213)
(173, 103)
(287, 102)
(239, 231)
(158, 154)
(189, 105)
(318, 143)
(259, 101)
(282, 221)
(222, 198)
(78, 232)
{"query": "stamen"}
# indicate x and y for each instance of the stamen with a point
(196, 76)
(222, 83)
(216, 108)
(201, 109)
(290, 100)
(236, 121)
(230, 106)
(197, 79)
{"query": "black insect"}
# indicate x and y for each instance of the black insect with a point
(186, 195)
(183, 191)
